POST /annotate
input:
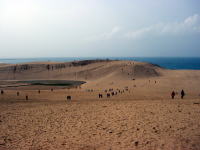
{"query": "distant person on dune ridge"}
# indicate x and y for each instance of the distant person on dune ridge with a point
(173, 94)
(182, 94)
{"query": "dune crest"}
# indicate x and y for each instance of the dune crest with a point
(87, 70)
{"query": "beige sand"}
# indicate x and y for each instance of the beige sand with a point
(144, 117)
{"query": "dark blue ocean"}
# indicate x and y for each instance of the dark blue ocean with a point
(165, 62)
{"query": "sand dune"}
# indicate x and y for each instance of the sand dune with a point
(79, 70)
(141, 116)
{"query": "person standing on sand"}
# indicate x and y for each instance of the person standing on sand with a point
(182, 94)
(173, 94)
(2, 92)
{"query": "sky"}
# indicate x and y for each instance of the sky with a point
(99, 28)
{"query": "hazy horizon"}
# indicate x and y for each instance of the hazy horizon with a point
(103, 57)
(92, 28)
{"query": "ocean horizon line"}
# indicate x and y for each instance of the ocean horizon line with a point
(1, 58)
(178, 63)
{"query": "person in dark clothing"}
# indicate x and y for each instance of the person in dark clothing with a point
(173, 94)
(182, 94)
(2, 92)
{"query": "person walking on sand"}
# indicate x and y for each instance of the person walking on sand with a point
(182, 94)
(173, 94)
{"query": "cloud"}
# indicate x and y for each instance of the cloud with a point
(106, 35)
(189, 25)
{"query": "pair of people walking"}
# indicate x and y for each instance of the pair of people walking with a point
(182, 94)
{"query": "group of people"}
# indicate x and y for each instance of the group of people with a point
(182, 94)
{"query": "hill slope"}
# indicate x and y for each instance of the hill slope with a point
(87, 70)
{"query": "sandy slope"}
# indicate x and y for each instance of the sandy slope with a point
(78, 70)
(144, 117)
(101, 125)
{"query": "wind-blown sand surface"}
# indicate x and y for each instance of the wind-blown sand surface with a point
(141, 117)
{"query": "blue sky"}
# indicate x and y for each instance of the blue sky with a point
(66, 28)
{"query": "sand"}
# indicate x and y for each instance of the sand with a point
(143, 117)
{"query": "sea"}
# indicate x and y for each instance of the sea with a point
(178, 63)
